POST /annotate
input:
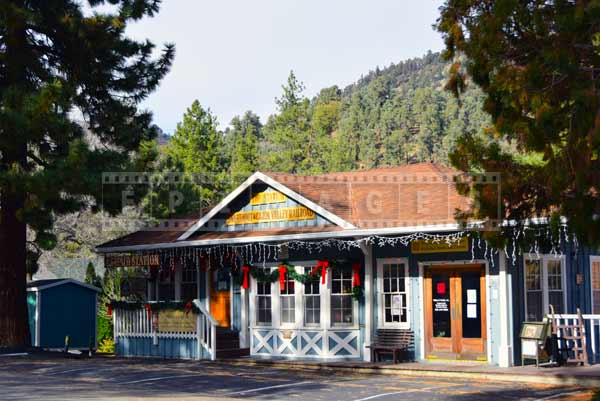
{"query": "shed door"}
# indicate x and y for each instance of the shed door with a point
(455, 313)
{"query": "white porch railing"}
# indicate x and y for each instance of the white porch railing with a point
(592, 330)
(207, 330)
(137, 323)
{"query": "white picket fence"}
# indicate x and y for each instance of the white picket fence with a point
(592, 330)
(137, 323)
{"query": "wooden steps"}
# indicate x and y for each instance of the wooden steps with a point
(228, 344)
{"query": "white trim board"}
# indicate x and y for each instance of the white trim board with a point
(258, 176)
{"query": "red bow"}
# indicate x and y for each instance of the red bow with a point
(282, 271)
(323, 265)
(356, 277)
(149, 310)
(109, 309)
(245, 270)
(188, 307)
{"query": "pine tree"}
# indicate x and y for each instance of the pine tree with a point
(91, 277)
(292, 145)
(537, 62)
(244, 144)
(55, 60)
(192, 171)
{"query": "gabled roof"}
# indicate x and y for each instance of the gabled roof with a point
(258, 176)
(39, 285)
(410, 198)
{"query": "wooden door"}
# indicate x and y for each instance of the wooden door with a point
(220, 297)
(455, 312)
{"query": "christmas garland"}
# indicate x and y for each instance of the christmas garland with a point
(262, 275)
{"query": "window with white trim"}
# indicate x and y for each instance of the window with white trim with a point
(392, 285)
(287, 300)
(312, 301)
(189, 282)
(263, 304)
(394, 293)
(166, 285)
(544, 286)
(342, 303)
(595, 276)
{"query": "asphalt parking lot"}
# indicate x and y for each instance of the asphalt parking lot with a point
(59, 378)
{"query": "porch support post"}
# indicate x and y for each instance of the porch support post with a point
(505, 354)
(178, 274)
(244, 319)
(367, 250)
(207, 277)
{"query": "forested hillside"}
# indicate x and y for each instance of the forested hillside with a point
(396, 115)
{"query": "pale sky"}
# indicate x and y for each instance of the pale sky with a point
(234, 55)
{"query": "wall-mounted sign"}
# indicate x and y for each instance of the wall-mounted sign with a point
(263, 198)
(263, 216)
(176, 321)
(131, 260)
(425, 246)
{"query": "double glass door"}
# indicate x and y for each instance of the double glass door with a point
(455, 312)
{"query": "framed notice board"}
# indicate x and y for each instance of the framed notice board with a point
(534, 330)
(533, 339)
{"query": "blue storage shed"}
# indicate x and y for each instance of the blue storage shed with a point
(59, 308)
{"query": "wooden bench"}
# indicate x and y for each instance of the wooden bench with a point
(391, 341)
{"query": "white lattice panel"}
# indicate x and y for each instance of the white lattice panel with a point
(305, 343)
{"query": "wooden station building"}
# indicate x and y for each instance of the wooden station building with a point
(290, 266)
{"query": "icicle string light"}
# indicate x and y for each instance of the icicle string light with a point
(263, 252)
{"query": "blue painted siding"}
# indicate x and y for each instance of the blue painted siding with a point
(416, 292)
(67, 309)
(577, 262)
(168, 348)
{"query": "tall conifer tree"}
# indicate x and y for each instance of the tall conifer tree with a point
(243, 141)
(193, 168)
(538, 63)
(56, 62)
